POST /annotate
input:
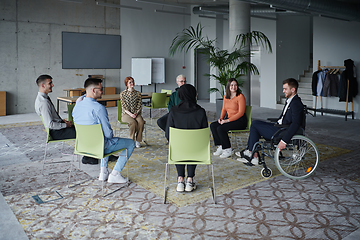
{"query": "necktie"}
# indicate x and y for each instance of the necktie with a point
(282, 113)
(53, 107)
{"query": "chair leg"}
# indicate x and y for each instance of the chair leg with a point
(44, 159)
(127, 167)
(212, 189)
(71, 166)
(145, 135)
(213, 178)
(165, 186)
(78, 158)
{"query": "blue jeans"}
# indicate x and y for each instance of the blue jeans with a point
(119, 144)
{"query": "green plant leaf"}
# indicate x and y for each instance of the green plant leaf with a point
(232, 64)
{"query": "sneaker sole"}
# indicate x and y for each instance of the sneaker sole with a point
(243, 160)
(117, 182)
(190, 190)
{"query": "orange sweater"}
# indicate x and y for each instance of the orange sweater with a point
(235, 107)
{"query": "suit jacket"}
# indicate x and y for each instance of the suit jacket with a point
(293, 117)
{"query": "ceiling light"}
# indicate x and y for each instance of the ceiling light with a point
(179, 13)
(73, 1)
(159, 3)
(220, 18)
(116, 6)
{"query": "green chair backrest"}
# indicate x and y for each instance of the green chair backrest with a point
(248, 110)
(49, 138)
(189, 146)
(89, 140)
(166, 91)
(70, 108)
(119, 113)
(158, 100)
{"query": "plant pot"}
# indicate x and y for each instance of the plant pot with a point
(219, 104)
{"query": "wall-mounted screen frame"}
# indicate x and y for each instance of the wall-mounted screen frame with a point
(91, 51)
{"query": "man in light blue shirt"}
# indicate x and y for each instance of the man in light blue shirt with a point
(90, 112)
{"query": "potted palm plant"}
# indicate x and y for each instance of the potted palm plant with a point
(229, 64)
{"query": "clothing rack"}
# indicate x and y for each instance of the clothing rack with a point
(334, 111)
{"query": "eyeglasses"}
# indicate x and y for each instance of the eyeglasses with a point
(101, 89)
(182, 81)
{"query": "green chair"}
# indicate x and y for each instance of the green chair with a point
(90, 142)
(119, 119)
(70, 108)
(248, 110)
(119, 115)
(50, 140)
(168, 92)
(190, 146)
(158, 100)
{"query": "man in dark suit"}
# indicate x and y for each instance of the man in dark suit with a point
(292, 116)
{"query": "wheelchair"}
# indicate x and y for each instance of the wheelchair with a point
(298, 160)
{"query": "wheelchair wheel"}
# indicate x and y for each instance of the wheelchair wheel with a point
(266, 173)
(299, 159)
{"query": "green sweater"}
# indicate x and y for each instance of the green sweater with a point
(174, 99)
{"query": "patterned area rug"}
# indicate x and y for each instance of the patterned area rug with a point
(137, 211)
(146, 166)
(147, 169)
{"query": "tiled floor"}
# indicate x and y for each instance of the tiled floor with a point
(270, 208)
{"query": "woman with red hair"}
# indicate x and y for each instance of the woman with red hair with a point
(131, 110)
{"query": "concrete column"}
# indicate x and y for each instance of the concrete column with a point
(239, 22)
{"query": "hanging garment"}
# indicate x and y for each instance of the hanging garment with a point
(320, 83)
(346, 75)
(334, 85)
(331, 83)
(326, 86)
(314, 82)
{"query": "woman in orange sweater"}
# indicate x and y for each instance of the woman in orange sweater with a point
(234, 106)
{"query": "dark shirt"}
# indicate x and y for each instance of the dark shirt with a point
(174, 99)
(184, 117)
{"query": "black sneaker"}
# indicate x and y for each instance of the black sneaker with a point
(90, 160)
(190, 186)
(113, 158)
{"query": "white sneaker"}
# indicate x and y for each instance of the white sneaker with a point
(190, 186)
(137, 144)
(218, 151)
(180, 187)
(117, 178)
(246, 152)
(104, 173)
(254, 161)
(226, 153)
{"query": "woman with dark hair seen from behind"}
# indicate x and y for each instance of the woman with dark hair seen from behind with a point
(131, 110)
(186, 115)
(234, 105)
